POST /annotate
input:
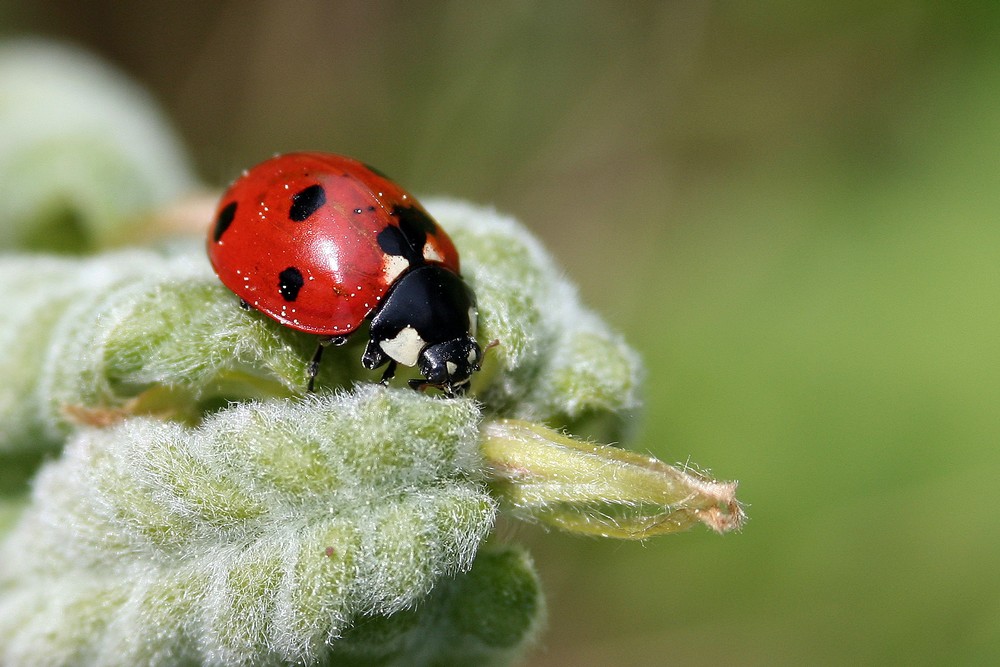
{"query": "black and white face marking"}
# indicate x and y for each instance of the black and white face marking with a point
(450, 365)
(428, 320)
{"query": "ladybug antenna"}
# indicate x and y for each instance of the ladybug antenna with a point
(489, 346)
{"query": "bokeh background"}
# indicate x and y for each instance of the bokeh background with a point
(791, 209)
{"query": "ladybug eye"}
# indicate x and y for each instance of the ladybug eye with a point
(305, 202)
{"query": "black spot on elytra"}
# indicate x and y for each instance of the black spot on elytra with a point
(289, 283)
(392, 242)
(306, 201)
(408, 239)
(415, 223)
(225, 219)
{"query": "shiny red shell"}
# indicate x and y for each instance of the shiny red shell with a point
(297, 238)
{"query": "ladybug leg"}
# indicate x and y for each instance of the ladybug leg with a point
(373, 356)
(244, 305)
(313, 368)
(336, 341)
(390, 371)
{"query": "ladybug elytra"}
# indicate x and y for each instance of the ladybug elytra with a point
(321, 243)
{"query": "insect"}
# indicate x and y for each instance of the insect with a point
(321, 243)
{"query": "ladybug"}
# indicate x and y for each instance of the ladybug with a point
(321, 243)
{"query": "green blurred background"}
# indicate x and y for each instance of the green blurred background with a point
(791, 209)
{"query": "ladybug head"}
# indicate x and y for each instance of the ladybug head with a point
(450, 364)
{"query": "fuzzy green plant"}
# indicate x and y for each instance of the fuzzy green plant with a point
(264, 535)
(191, 503)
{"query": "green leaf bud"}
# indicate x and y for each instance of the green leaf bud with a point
(600, 490)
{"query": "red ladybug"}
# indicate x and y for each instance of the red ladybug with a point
(321, 242)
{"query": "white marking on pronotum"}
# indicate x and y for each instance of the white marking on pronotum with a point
(393, 266)
(404, 347)
(451, 366)
(431, 253)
